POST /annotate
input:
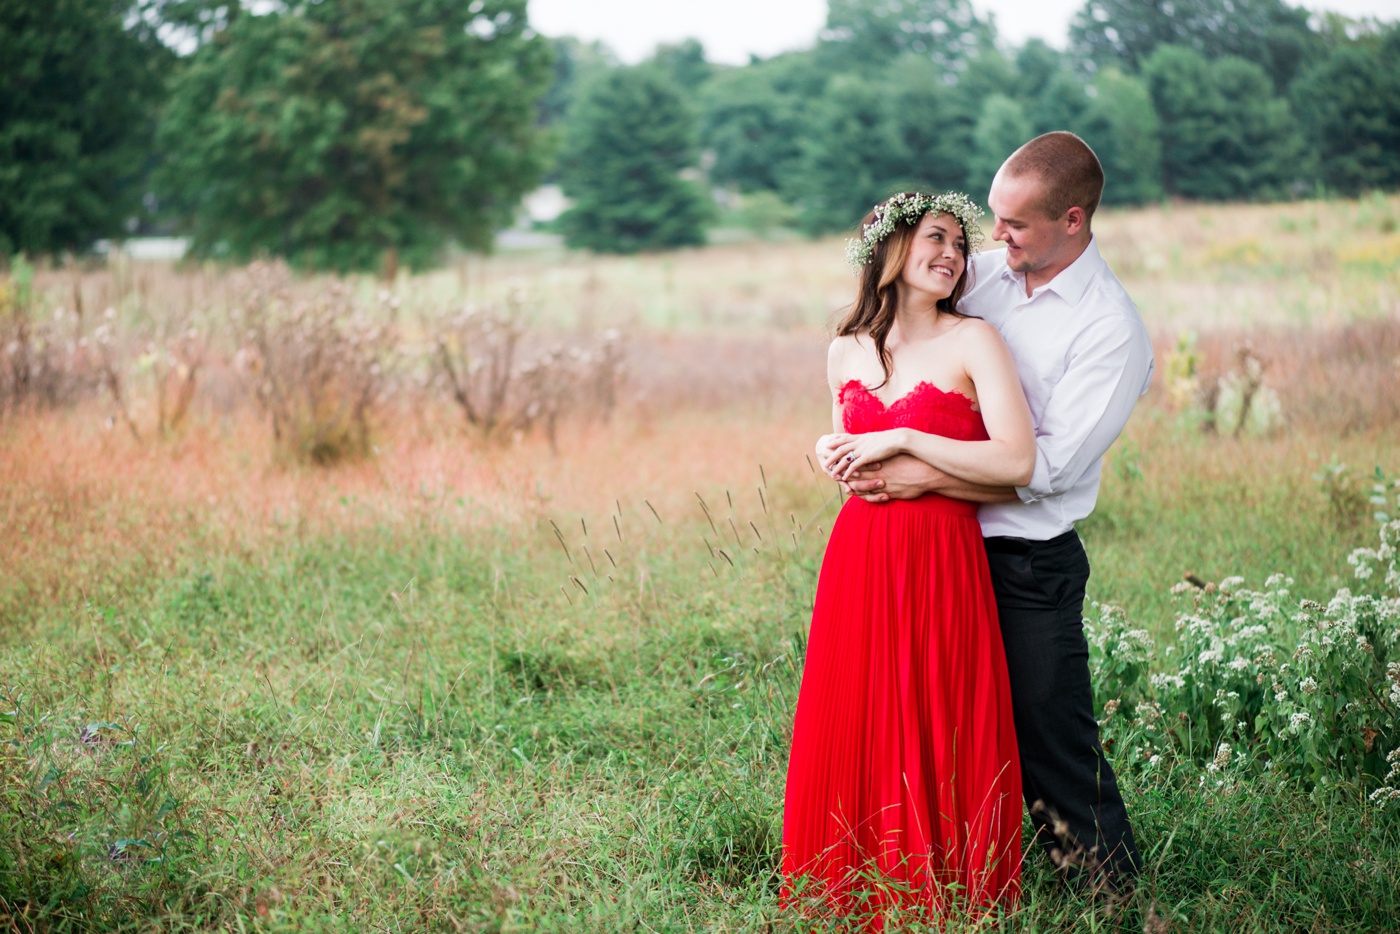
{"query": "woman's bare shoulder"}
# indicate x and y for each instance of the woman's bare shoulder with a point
(978, 333)
(843, 347)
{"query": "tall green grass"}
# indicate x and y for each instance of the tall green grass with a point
(579, 727)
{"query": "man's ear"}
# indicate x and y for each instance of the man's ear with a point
(1075, 220)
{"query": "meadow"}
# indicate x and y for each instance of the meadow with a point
(293, 638)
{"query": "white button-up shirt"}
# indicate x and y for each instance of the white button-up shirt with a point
(1084, 358)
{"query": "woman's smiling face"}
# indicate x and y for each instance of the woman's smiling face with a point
(936, 261)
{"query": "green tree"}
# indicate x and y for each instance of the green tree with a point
(337, 133)
(1062, 104)
(752, 127)
(1349, 107)
(1001, 129)
(867, 34)
(684, 63)
(575, 61)
(1268, 32)
(630, 136)
(79, 90)
(1225, 134)
(851, 154)
(1121, 125)
(933, 122)
(1036, 63)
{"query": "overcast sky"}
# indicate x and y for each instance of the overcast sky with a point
(732, 29)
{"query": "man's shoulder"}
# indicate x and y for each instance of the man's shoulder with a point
(1105, 297)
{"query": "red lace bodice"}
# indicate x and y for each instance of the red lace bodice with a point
(924, 408)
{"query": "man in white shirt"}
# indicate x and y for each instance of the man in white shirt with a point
(1084, 358)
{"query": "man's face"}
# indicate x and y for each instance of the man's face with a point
(1033, 241)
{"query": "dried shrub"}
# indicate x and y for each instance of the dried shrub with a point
(41, 366)
(164, 363)
(482, 358)
(317, 364)
(1340, 380)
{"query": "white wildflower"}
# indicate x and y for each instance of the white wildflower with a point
(1165, 682)
(1308, 686)
(1222, 756)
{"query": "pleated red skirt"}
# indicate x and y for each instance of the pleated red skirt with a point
(903, 788)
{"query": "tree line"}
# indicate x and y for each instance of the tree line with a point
(338, 132)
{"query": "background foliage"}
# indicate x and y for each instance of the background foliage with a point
(331, 133)
(345, 134)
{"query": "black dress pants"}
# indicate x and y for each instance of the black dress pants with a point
(1069, 787)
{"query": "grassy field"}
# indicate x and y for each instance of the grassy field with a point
(508, 685)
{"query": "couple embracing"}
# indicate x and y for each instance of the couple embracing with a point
(947, 676)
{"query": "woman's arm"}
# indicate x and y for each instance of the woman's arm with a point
(835, 357)
(1006, 459)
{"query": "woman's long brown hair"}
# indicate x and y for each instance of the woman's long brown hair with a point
(878, 297)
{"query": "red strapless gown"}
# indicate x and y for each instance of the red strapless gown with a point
(903, 785)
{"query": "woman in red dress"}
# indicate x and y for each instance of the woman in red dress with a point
(903, 789)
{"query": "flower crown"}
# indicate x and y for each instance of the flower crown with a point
(911, 206)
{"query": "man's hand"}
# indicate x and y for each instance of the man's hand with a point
(900, 477)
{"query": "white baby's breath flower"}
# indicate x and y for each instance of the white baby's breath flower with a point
(910, 207)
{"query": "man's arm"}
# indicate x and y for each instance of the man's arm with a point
(1083, 417)
(1108, 370)
(906, 477)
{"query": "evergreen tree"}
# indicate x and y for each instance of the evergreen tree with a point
(338, 132)
(630, 136)
(1349, 107)
(1001, 129)
(79, 90)
(1225, 135)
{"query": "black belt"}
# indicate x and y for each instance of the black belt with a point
(1010, 545)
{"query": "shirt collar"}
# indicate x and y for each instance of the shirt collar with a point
(1072, 281)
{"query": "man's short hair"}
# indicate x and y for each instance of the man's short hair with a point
(1067, 167)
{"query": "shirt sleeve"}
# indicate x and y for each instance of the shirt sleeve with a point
(1109, 368)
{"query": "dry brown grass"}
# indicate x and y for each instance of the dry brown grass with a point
(723, 371)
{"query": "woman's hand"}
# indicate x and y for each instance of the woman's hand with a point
(848, 453)
(826, 447)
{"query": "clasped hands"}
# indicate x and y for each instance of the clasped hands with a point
(873, 466)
